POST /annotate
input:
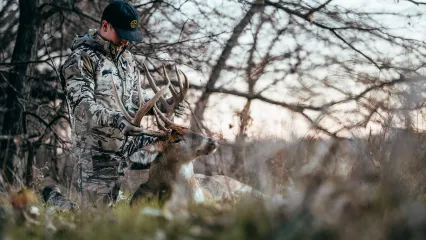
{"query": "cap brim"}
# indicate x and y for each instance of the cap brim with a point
(134, 36)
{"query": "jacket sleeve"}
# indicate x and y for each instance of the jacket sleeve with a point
(78, 72)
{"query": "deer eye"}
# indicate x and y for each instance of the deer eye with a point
(177, 140)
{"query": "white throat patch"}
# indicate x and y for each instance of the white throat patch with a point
(187, 170)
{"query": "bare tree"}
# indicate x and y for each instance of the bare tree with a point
(24, 51)
(220, 64)
(332, 47)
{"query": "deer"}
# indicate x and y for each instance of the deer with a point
(171, 156)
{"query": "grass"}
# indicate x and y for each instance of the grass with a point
(243, 219)
(385, 202)
(124, 222)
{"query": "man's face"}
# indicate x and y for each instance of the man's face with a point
(108, 32)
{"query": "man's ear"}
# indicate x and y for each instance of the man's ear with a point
(104, 26)
(154, 148)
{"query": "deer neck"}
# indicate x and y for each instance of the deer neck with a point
(169, 173)
(186, 176)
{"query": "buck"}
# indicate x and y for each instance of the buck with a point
(172, 154)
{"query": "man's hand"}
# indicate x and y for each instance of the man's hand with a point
(181, 109)
(127, 128)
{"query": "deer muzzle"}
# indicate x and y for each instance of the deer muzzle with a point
(211, 146)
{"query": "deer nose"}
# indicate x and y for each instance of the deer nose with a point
(213, 142)
(212, 145)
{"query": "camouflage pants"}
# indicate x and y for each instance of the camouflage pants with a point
(96, 174)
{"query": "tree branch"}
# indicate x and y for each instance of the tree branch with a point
(417, 2)
(313, 10)
(309, 19)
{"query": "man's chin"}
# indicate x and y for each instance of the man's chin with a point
(118, 46)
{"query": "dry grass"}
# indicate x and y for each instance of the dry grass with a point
(348, 189)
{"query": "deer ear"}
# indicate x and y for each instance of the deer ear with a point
(154, 148)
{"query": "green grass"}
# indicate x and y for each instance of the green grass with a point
(226, 220)
(217, 221)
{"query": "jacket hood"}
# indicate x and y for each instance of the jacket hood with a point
(93, 40)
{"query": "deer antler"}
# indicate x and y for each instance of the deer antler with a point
(144, 107)
(177, 98)
(166, 122)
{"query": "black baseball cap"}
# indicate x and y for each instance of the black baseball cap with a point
(124, 18)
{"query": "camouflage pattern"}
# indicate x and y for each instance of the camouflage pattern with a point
(101, 151)
(97, 174)
(53, 197)
(89, 73)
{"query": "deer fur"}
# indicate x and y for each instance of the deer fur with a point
(172, 175)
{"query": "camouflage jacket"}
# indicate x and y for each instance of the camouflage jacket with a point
(90, 71)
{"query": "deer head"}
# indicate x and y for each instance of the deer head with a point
(174, 141)
(183, 145)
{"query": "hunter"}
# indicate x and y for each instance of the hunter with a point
(104, 142)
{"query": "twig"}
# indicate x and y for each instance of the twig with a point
(197, 121)
(21, 136)
(59, 77)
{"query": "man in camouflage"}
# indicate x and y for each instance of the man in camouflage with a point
(104, 141)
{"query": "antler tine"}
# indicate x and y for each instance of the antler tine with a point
(183, 88)
(177, 96)
(178, 76)
(173, 90)
(120, 104)
(153, 85)
(159, 123)
(168, 123)
(148, 105)
(169, 107)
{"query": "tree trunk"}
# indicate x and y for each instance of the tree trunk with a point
(25, 50)
(201, 104)
(239, 150)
